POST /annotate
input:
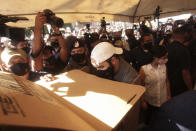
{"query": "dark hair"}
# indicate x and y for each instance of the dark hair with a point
(95, 36)
(158, 51)
(70, 41)
(181, 30)
(80, 41)
(47, 48)
(145, 29)
(144, 35)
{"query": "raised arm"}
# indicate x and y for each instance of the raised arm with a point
(40, 20)
(38, 45)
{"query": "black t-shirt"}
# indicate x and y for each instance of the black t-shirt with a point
(139, 57)
(177, 114)
(192, 49)
(132, 42)
(178, 60)
(58, 67)
(56, 64)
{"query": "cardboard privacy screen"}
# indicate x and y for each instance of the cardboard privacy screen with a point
(73, 101)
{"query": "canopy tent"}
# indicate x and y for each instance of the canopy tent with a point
(94, 10)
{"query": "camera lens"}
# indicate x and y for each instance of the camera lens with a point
(59, 22)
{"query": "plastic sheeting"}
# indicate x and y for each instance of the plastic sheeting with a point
(94, 10)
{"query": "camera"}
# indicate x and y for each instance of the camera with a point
(52, 19)
(14, 33)
(157, 12)
(4, 19)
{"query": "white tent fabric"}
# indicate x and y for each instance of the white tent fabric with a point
(94, 10)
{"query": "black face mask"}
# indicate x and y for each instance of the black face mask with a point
(55, 44)
(108, 73)
(117, 38)
(26, 49)
(148, 45)
(79, 58)
(20, 69)
(129, 35)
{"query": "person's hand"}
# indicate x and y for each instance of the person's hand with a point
(47, 78)
(40, 20)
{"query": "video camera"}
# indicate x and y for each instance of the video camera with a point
(4, 19)
(52, 19)
(14, 33)
(157, 12)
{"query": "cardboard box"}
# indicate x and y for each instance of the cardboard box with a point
(73, 101)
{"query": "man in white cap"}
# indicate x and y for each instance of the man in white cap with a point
(16, 61)
(106, 59)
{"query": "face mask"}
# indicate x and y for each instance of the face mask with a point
(79, 58)
(117, 38)
(26, 49)
(148, 46)
(55, 44)
(20, 69)
(108, 73)
(129, 35)
(163, 61)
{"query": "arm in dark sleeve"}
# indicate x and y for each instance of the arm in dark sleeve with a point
(126, 55)
(185, 64)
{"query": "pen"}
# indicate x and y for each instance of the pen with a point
(131, 99)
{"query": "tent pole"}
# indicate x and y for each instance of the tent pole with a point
(136, 10)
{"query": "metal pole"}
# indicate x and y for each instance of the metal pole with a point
(136, 10)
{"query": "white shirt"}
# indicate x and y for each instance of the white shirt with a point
(155, 83)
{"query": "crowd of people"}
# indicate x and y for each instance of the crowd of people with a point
(164, 62)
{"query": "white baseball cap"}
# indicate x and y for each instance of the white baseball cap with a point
(8, 53)
(102, 52)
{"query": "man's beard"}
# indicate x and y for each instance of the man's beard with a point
(108, 73)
